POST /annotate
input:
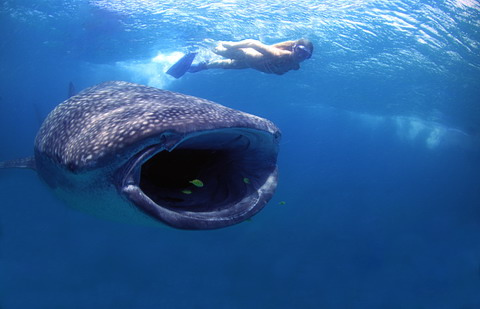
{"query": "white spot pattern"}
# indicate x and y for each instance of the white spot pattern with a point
(109, 117)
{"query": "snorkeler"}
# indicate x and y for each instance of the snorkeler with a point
(273, 59)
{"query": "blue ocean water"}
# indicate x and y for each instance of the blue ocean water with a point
(379, 160)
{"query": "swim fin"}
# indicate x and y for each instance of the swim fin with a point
(181, 66)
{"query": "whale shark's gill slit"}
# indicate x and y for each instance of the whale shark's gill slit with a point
(230, 166)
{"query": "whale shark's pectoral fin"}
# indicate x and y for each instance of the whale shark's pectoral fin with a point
(28, 162)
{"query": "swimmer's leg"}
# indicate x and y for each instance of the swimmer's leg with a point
(227, 64)
(218, 64)
(229, 50)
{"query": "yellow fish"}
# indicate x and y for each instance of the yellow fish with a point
(282, 203)
(246, 180)
(196, 183)
(186, 192)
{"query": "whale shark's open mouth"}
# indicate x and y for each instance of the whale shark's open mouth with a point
(207, 180)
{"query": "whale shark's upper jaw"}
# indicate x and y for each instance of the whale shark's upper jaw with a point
(135, 153)
(235, 168)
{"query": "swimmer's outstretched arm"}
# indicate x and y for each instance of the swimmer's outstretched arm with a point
(264, 49)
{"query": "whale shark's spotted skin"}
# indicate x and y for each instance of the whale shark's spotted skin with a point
(129, 152)
(105, 118)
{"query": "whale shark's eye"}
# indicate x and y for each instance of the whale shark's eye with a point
(221, 160)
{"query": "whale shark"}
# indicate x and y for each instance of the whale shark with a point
(139, 154)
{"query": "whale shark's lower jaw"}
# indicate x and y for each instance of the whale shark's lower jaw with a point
(208, 180)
